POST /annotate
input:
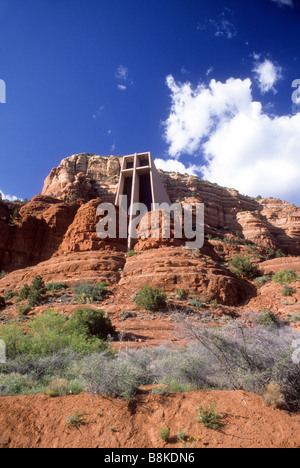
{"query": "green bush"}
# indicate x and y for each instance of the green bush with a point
(17, 384)
(23, 310)
(35, 298)
(208, 417)
(183, 294)
(194, 302)
(93, 322)
(10, 295)
(285, 276)
(287, 291)
(47, 334)
(63, 387)
(132, 253)
(150, 298)
(56, 287)
(88, 293)
(164, 434)
(38, 284)
(35, 293)
(261, 280)
(267, 318)
(24, 293)
(242, 266)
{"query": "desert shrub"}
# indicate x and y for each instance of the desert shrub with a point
(213, 304)
(194, 302)
(126, 314)
(267, 318)
(2, 302)
(17, 384)
(132, 253)
(35, 298)
(117, 378)
(38, 284)
(55, 364)
(249, 358)
(2, 274)
(48, 334)
(208, 417)
(273, 396)
(150, 298)
(294, 318)
(76, 419)
(164, 434)
(261, 280)
(242, 266)
(285, 276)
(56, 287)
(183, 294)
(10, 295)
(93, 322)
(62, 387)
(24, 293)
(88, 293)
(287, 291)
(35, 293)
(24, 310)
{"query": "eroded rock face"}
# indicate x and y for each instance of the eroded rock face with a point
(75, 267)
(57, 238)
(267, 222)
(33, 233)
(84, 176)
(81, 235)
(177, 268)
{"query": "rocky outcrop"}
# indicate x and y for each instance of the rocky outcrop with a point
(267, 222)
(174, 268)
(278, 264)
(32, 233)
(84, 176)
(81, 235)
(75, 267)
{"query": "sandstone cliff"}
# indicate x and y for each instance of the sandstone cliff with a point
(55, 235)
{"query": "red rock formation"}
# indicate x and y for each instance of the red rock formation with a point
(174, 268)
(84, 176)
(35, 233)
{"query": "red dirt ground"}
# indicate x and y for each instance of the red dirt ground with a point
(40, 422)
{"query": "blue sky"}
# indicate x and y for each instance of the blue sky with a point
(206, 86)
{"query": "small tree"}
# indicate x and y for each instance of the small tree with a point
(242, 266)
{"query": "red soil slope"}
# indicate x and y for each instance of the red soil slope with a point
(40, 422)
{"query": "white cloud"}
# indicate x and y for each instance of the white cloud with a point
(173, 165)
(267, 74)
(224, 28)
(241, 146)
(122, 87)
(284, 2)
(98, 112)
(8, 197)
(122, 73)
(221, 25)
